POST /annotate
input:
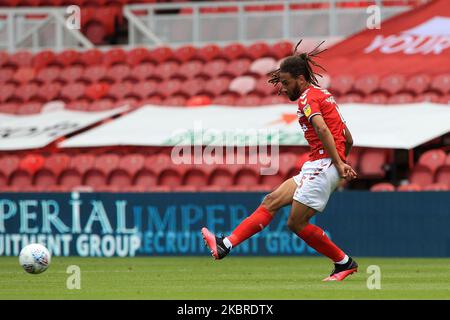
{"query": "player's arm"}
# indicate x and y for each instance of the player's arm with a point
(348, 141)
(329, 145)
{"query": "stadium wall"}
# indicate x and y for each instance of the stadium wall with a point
(393, 224)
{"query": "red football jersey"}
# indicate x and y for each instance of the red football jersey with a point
(314, 101)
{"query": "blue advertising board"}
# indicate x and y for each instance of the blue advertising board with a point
(160, 224)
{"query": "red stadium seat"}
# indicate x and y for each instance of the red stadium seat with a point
(44, 59)
(196, 176)
(57, 163)
(225, 100)
(7, 92)
(401, 98)
(250, 100)
(145, 178)
(155, 100)
(21, 179)
(137, 56)
(49, 74)
(120, 178)
(29, 108)
(21, 59)
(409, 187)
(4, 58)
(342, 84)
(31, 163)
(418, 84)
(234, 51)
(421, 175)
(272, 181)
(282, 49)
(216, 86)
(213, 68)
(436, 187)
(94, 73)
(70, 178)
(145, 89)
(27, 91)
(24, 75)
(94, 178)
(44, 178)
(80, 105)
(165, 70)
(185, 53)
(120, 90)
(10, 107)
(114, 56)
(189, 69)
(350, 98)
(274, 99)
(197, 101)
(264, 88)
(71, 73)
(237, 67)
(49, 91)
(443, 175)
(91, 57)
(118, 72)
(9, 164)
(376, 98)
(263, 66)
(192, 87)
(441, 83)
(82, 162)
(142, 71)
(429, 96)
(366, 84)
(221, 177)
(107, 163)
(170, 177)
(381, 187)
(68, 58)
(209, 52)
(432, 159)
(168, 88)
(371, 163)
(392, 84)
(161, 54)
(259, 50)
(175, 101)
(6, 75)
(242, 85)
(102, 105)
(248, 176)
(132, 163)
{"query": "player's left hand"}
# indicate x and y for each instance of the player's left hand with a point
(346, 171)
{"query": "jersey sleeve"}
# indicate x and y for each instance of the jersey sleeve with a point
(309, 106)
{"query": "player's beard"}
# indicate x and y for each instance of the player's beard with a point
(295, 94)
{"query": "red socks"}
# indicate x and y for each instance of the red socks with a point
(316, 238)
(254, 223)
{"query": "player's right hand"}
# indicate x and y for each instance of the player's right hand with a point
(346, 171)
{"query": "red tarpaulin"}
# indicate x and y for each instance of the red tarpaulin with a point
(417, 41)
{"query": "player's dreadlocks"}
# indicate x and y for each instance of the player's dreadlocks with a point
(299, 64)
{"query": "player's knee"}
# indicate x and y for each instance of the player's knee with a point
(271, 203)
(296, 225)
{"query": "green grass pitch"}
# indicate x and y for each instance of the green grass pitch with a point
(231, 278)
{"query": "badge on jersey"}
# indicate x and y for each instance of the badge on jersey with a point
(307, 110)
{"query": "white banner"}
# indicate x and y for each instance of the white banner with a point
(38, 130)
(402, 126)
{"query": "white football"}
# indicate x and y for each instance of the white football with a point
(34, 258)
